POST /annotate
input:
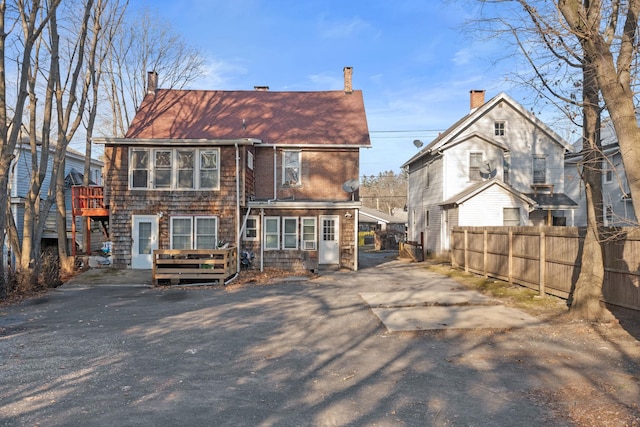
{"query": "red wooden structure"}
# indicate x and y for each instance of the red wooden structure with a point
(87, 201)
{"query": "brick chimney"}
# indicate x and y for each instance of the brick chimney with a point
(152, 82)
(476, 99)
(348, 79)
(261, 88)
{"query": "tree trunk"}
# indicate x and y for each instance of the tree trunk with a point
(585, 301)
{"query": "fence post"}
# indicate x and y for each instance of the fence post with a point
(543, 261)
(485, 252)
(510, 256)
(466, 251)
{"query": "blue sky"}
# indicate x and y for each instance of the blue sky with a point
(411, 58)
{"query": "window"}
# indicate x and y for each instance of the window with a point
(186, 169)
(309, 226)
(250, 160)
(271, 233)
(206, 233)
(289, 233)
(251, 229)
(499, 128)
(511, 217)
(607, 172)
(162, 168)
(181, 233)
(209, 169)
(200, 232)
(139, 161)
(170, 169)
(539, 169)
(475, 161)
(291, 168)
(609, 215)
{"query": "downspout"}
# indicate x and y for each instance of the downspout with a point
(275, 176)
(237, 209)
(261, 240)
(356, 239)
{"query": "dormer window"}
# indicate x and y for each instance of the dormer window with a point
(499, 127)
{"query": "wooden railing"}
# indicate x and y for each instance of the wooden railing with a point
(201, 265)
(88, 201)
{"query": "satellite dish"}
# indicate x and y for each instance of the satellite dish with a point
(351, 185)
(488, 170)
(417, 143)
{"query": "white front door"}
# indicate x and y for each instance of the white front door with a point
(329, 248)
(145, 240)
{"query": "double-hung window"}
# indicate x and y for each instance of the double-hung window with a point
(174, 169)
(539, 169)
(291, 161)
(199, 232)
(271, 233)
(251, 229)
(289, 233)
(139, 161)
(309, 225)
(607, 171)
(209, 169)
(475, 162)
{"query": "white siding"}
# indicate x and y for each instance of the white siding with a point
(486, 208)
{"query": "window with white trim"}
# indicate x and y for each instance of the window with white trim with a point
(271, 229)
(186, 169)
(289, 233)
(475, 162)
(499, 128)
(194, 232)
(609, 215)
(250, 160)
(309, 233)
(139, 168)
(291, 161)
(511, 217)
(174, 169)
(251, 229)
(539, 169)
(607, 172)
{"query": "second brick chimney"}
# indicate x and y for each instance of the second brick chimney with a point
(476, 99)
(348, 79)
(152, 82)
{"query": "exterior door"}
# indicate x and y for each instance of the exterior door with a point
(329, 248)
(145, 240)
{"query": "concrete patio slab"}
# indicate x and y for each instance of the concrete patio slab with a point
(425, 297)
(453, 317)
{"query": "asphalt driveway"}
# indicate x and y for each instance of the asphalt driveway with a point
(292, 353)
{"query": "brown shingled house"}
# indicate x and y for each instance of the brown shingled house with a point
(261, 170)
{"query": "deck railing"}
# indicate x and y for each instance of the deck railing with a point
(202, 265)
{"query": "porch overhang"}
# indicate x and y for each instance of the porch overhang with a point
(293, 204)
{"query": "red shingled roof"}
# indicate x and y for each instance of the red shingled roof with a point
(295, 118)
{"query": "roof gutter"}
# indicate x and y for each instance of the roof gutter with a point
(157, 141)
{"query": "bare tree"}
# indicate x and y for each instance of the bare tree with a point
(145, 43)
(384, 192)
(555, 49)
(21, 24)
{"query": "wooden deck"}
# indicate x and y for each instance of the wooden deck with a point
(202, 265)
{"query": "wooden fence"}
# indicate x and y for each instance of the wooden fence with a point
(176, 265)
(548, 259)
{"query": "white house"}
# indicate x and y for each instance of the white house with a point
(617, 204)
(498, 165)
